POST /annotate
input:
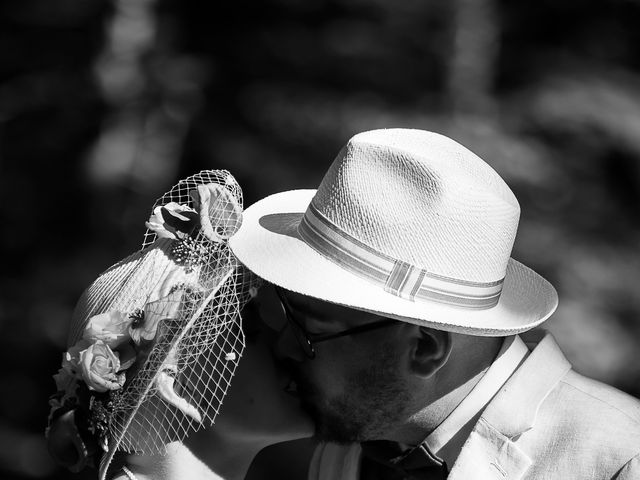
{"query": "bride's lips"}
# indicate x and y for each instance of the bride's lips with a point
(286, 382)
(292, 389)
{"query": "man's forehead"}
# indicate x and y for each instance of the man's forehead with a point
(323, 310)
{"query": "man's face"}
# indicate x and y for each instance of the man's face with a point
(356, 387)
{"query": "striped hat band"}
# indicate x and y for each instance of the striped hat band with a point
(395, 276)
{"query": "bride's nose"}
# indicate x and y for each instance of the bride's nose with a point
(287, 347)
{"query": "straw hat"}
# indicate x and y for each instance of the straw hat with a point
(408, 224)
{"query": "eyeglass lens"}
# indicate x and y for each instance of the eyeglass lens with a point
(298, 330)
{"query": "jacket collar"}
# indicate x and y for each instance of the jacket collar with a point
(491, 451)
(448, 438)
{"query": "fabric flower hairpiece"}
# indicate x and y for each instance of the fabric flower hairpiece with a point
(115, 343)
(214, 205)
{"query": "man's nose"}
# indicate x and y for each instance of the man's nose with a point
(287, 347)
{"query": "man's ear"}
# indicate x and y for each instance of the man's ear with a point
(430, 350)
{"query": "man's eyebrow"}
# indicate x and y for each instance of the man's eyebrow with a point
(300, 305)
(311, 315)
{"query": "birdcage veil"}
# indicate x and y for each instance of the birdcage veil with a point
(179, 300)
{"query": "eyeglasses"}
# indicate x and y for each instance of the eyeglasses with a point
(307, 340)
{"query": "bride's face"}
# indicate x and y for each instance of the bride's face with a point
(257, 406)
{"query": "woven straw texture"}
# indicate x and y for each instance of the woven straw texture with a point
(425, 202)
(455, 215)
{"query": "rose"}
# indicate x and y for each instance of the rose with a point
(110, 327)
(220, 212)
(100, 368)
(67, 377)
(173, 221)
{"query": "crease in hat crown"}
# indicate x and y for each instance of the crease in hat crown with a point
(421, 199)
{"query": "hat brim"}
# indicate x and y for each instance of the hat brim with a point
(268, 244)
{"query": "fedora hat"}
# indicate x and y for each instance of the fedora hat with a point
(407, 224)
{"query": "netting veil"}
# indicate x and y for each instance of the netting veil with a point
(183, 292)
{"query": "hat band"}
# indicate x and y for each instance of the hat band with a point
(397, 277)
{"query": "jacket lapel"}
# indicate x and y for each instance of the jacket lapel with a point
(489, 455)
(491, 451)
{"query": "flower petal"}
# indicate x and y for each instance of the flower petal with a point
(172, 220)
(220, 213)
(71, 358)
(181, 224)
(165, 308)
(65, 381)
(99, 365)
(164, 384)
(110, 327)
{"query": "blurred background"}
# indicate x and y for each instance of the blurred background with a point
(105, 104)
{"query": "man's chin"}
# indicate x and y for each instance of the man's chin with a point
(330, 427)
(332, 418)
(326, 433)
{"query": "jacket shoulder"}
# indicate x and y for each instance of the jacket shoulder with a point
(584, 428)
(603, 398)
(630, 471)
(581, 427)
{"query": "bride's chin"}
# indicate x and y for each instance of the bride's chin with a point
(296, 420)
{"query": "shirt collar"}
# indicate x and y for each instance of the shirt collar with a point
(511, 355)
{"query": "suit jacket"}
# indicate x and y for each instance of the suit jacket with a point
(546, 422)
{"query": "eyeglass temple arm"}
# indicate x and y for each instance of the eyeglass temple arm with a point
(362, 328)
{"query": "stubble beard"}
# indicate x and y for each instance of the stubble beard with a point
(375, 402)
